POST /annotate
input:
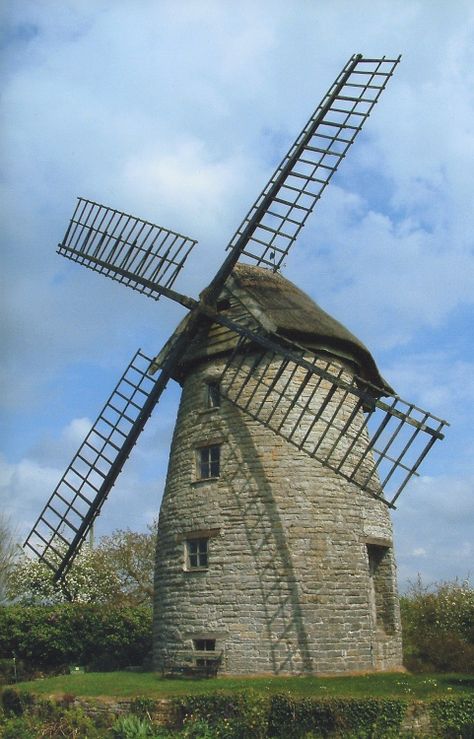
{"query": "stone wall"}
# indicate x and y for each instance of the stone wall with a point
(301, 574)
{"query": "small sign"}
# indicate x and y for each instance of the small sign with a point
(76, 669)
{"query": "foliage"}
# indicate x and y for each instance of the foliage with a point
(438, 627)
(54, 722)
(290, 717)
(8, 555)
(48, 637)
(454, 717)
(132, 555)
(235, 716)
(118, 571)
(142, 706)
(14, 702)
(132, 727)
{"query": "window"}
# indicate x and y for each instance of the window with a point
(204, 645)
(213, 395)
(209, 461)
(197, 551)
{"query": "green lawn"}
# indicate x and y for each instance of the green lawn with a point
(125, 684)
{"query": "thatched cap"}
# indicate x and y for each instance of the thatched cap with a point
(263, 299)
(296, 316)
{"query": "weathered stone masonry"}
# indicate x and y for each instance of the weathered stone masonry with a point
(300, 576)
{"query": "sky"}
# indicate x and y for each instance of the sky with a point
(178, 112)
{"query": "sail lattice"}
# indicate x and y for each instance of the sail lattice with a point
(128, 249)
(77, 499)
(273, 223)
(332, 415)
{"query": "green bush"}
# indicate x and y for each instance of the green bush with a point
(243, 715)
(26, 716)
(223, 716)
(51, 637)
(453, 717)
(132, 727)
(15, 703)
(438, 627)
(293, 717)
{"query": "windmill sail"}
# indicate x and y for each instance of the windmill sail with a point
(146, 257)
(70, 512)
(379, 445)
(275, 220)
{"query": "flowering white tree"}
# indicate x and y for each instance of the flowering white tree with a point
(118, 571)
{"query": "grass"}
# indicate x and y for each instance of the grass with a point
(129, 684)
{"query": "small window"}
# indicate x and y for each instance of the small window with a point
(197, 551)
(213, 395)
(209, 461)
(204, 645)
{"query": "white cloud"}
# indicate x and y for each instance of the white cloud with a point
(434, 529)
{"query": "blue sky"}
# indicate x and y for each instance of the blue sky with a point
(178, 112)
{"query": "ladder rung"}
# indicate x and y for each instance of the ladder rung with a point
(348, 113)
(106, 439)
(332, 138)
(80, 475)
(77, 492)
(121, 414)
(341, 125)
(311, 179)
(364, 87)
(65, 500)
(109, 423)
(352, 99)
(378, 61)
(61, 516)
(270, 245)
(277, 232)
(371, 74)
(284, 219)
(323, 151)
(289, 203)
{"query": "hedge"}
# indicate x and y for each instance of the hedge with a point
(101, 638)
(242, 715)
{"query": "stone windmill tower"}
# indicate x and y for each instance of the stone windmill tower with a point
(275, 545)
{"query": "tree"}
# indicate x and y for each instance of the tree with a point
(119, 571)
(132, 556)
(8, 555)
(438, 626)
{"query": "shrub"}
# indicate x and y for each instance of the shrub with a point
(438, 627)
(48, 637)
(132, 727)
(236, 716)
(294, 718)
(453, 717)
(15, 703)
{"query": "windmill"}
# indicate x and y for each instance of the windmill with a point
(275, 550)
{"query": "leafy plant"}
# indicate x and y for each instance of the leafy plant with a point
(132, 727)
(454, 716)
(14, 702)
(142, 706)
(438, 627)
(51, 637)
